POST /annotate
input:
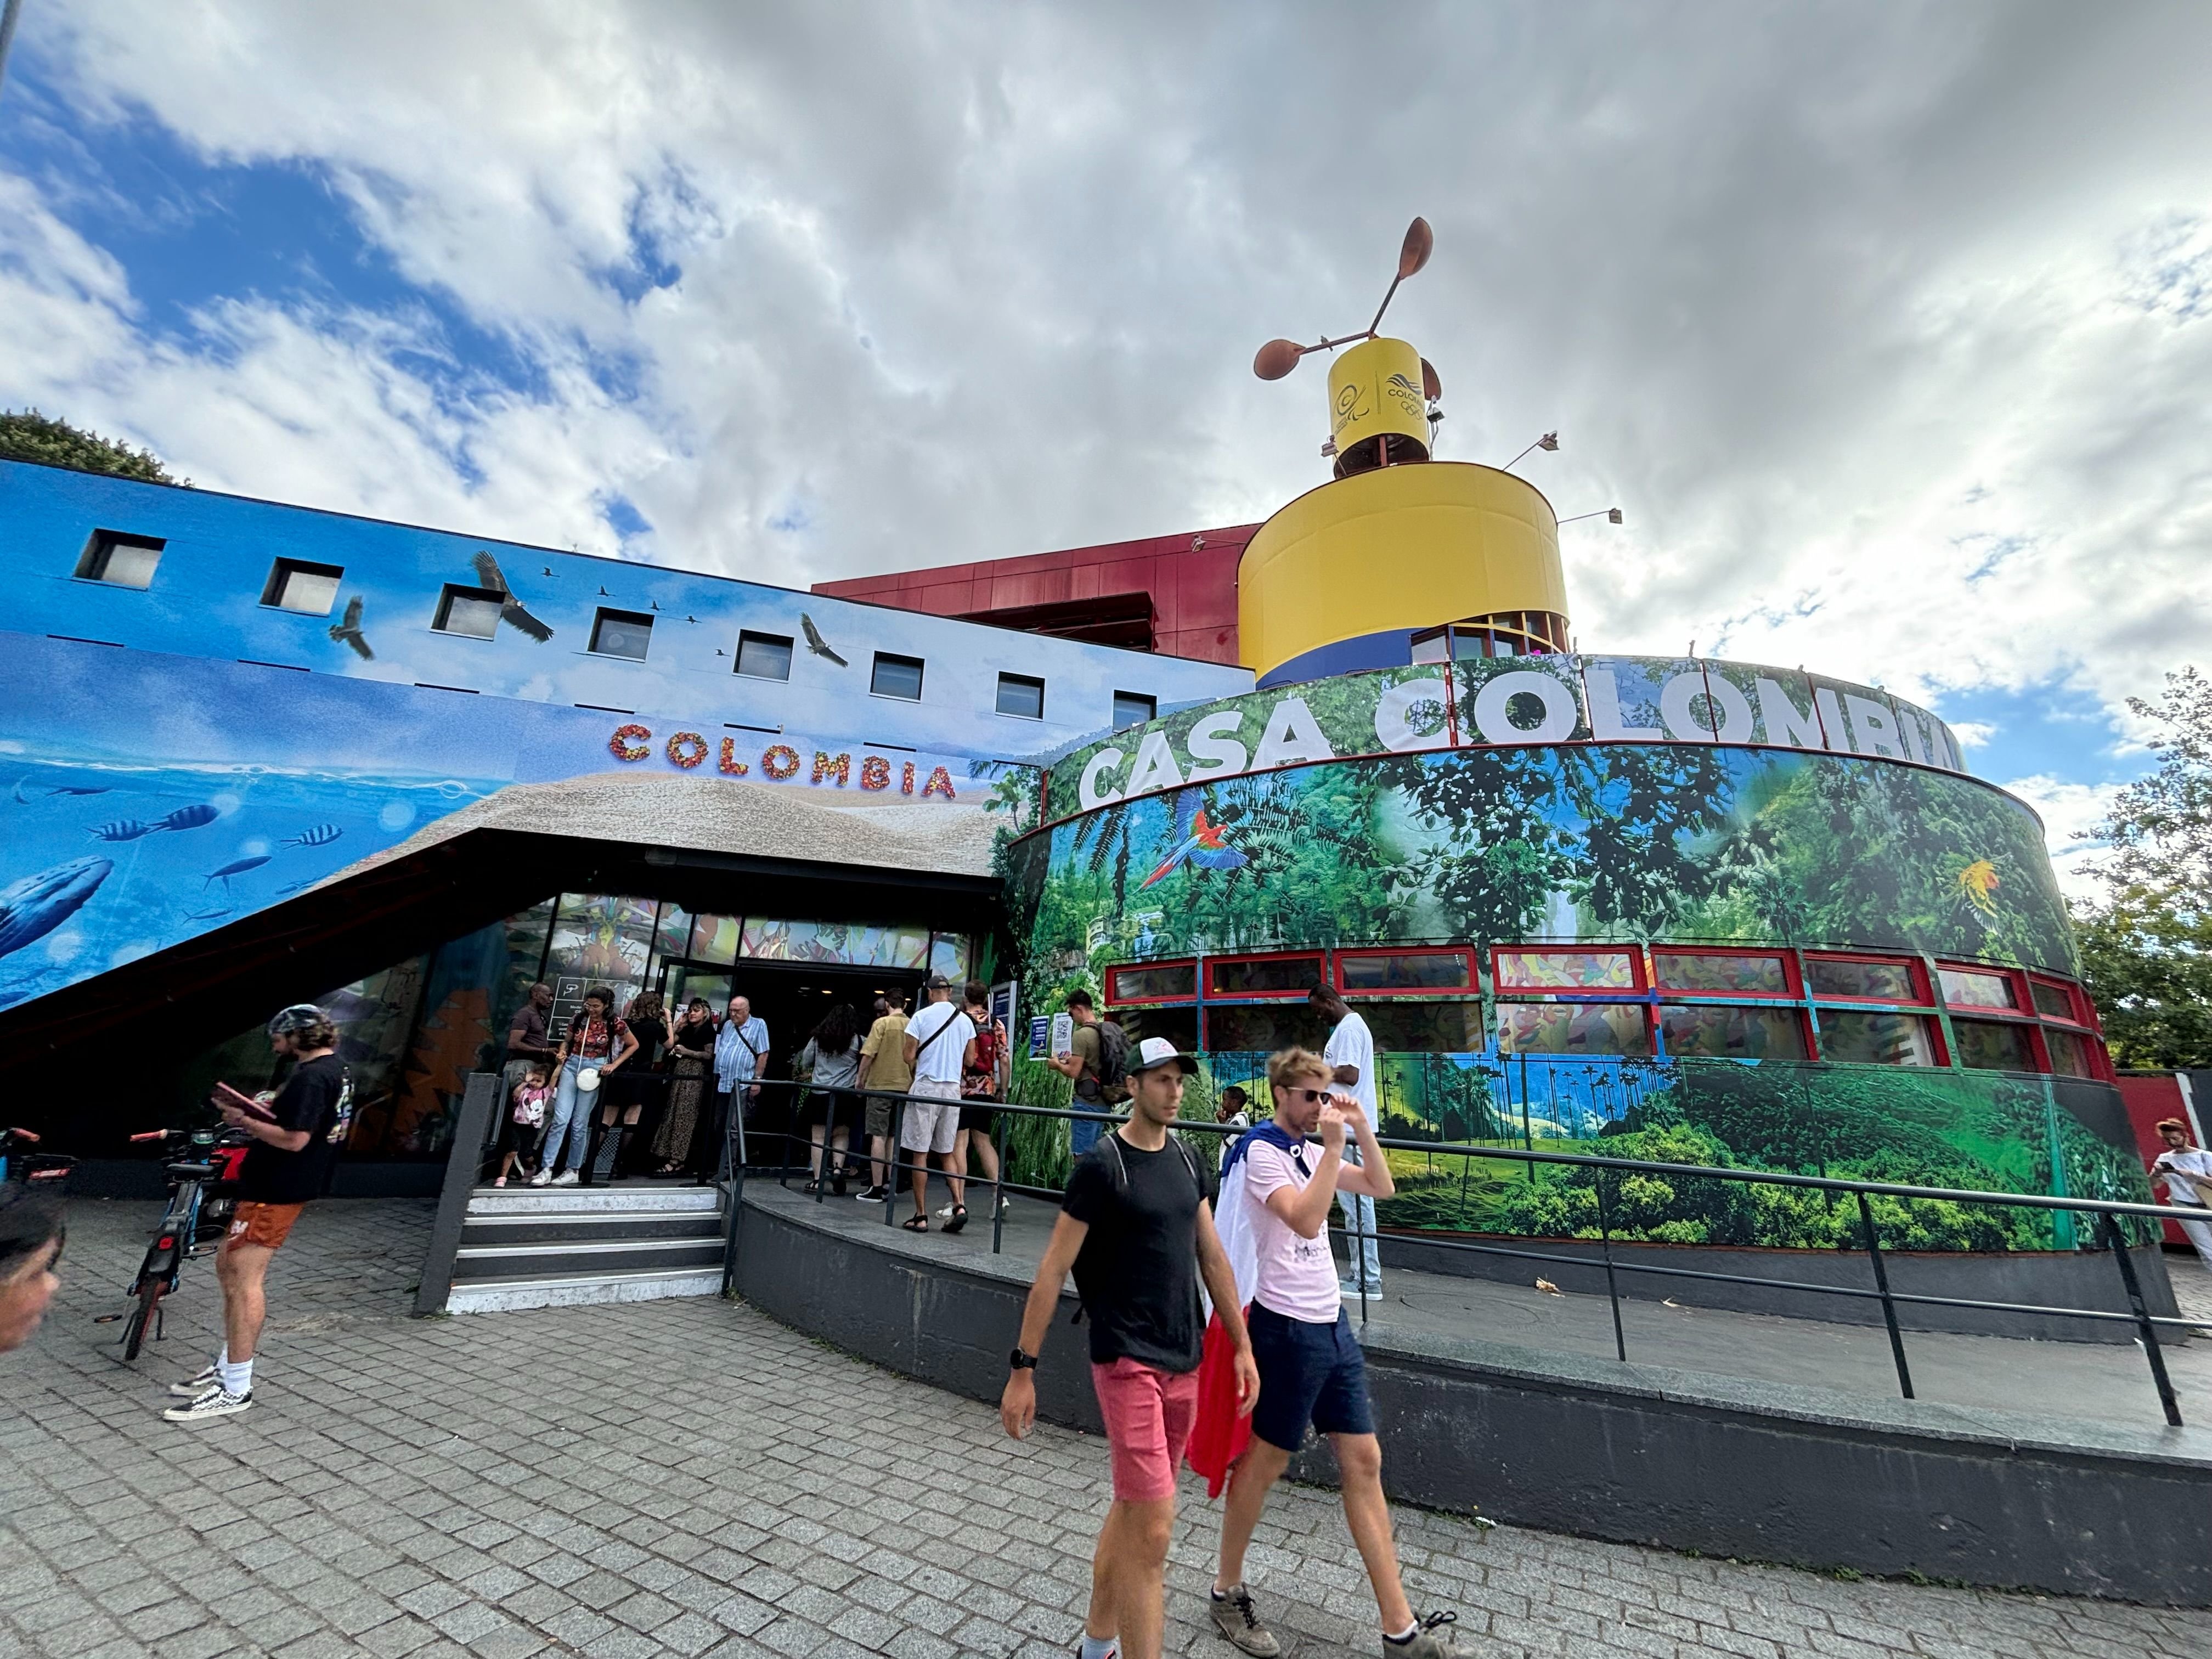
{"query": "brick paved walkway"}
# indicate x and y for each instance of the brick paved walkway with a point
(689, 1478)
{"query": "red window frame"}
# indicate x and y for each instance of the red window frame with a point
(1791, 977)
(2076, 1002)
(1114, 982)
(1638, 972)
(1914, 966)
(2037, 1050)
(1317, 957)
(1938, 1037)
(2023, 1000)
(1471, 988)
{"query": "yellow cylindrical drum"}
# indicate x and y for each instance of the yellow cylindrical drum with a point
(1374, 390)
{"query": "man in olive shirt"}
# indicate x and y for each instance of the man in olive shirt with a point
(883, 1064)
(1080, 1064)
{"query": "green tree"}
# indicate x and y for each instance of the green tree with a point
(30, 436)
(2147, 944)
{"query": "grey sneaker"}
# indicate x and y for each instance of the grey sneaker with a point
(193, 1387)
(216, 1402)
(1432, 1638)
(1234, 1617)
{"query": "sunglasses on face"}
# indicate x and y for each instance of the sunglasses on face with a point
(1309, 1094)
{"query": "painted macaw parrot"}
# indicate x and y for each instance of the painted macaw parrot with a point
(1202, 843)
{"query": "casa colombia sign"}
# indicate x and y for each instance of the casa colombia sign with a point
(1500, 702)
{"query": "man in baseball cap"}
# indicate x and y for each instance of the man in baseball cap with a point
(1137, 1227)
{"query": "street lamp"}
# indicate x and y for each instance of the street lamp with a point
(1549, 442)
(1610, 514)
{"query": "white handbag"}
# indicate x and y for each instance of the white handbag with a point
(587, 1080)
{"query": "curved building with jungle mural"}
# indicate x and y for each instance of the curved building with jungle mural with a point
(1683, 909)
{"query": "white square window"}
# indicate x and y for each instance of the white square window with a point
(120, 559)
(297, 585)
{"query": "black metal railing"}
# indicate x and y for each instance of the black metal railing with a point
(2107, 1215)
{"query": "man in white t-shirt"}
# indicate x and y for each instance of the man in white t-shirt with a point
(1351, 1057)
(2176, 1166)
(940, 1041)
(1312, 1371)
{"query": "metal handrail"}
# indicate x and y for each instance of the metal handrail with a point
(2108, 1212)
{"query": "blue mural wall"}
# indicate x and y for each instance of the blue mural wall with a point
(217, 553)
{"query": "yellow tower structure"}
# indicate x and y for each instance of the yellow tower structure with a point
(1399, 557)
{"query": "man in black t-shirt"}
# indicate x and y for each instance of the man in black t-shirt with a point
(1137, 1229)
(288, 1163)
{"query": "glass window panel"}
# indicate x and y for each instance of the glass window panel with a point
(1262, 1028)
(1431, 647)
(1874, 1039)
(309, 589)
(1717, 1032)
(715, 939)
(2051, 1000)
(1566, 971)
(684, 983)
(1178, 1025)
(1409, 970)
(1022, 696)
(1268, 974)
(1572, 1028)
(1178, 979)
(836, 942)
(2070, 1053)
(765, 656)
(622, 633)
(1889, 981)
(125, 561)
(1721, 975)
(1965, 989)
(673, 937)
(1438, 1027)
(1133, 708)
(1989, 1045)
(473, 611)
(896, 676)
(949, 955)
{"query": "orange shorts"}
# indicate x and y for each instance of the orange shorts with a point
(266, 1225)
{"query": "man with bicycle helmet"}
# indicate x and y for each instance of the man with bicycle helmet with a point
(288, 1163)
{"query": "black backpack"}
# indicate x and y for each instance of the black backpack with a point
(1112, 1062)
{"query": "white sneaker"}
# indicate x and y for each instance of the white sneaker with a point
(213, 1403)
(566, 1178)
(193, 1387)
(944, 1214)
(542, 1178)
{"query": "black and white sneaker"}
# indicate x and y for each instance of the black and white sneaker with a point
(193, 1387)
(216, 1402)
(873, 1195)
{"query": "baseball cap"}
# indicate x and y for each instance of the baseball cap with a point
(1158, 1051)
(938, 983)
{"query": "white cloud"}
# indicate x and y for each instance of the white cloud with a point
(1973, 734)
(1887, 325)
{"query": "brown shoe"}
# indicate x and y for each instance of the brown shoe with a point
(1238, 1623)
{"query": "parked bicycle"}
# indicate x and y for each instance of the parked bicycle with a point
(47, 1171)
(202, 1197)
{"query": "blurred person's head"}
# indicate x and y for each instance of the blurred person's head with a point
(1324, 1001)
(1080, 1006)
(541, 995)
(976, 994)
(699, 1009)
(300, 1030)
(2173, 1131)
(1233, 1100)
(599, 1002)
(1299, 1080)
(30, 1247)
(536, 1077)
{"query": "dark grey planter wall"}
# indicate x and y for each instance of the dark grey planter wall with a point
(1629, 1453)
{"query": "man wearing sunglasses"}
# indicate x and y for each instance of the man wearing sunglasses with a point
(1311, 1368)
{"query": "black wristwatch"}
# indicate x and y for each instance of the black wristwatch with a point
(1022, 1362)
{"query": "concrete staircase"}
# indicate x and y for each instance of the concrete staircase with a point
(523, 1246)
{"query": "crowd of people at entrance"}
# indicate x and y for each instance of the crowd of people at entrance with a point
(644, 1092)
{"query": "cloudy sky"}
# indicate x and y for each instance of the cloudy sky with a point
(1889, 327)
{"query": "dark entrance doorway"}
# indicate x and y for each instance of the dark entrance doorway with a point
(792, 997)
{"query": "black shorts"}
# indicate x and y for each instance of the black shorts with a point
(1314, 1374)
(818, 1102)
(978, 1112)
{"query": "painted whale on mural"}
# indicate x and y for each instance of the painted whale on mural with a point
(34, 907)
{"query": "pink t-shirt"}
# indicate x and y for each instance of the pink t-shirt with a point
(1297, 1276)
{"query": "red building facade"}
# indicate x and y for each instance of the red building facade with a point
(1176, 595)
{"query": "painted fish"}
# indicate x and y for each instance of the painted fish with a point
(34, 907)
(206, 915)
(236, 868)
(124, 829)
(189, 817)
(22, 799)
(321, 836)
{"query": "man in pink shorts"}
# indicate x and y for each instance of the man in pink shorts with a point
(1137, 1228)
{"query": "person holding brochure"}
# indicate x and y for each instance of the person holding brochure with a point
(1312, 1370)
(295, 1139)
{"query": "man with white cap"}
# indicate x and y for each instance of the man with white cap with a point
(1137, 1229)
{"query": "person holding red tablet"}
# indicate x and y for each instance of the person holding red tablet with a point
(295, 1138)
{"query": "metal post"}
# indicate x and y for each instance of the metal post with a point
(998, 1184)
(829, 1140)
(2148, 1332)
(891, 1197)
(733, 1160)
(1888, 1307)
(1612, 1288)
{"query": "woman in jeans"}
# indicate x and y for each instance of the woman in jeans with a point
(690, 1051)
(595, 1041)
(832, 1060)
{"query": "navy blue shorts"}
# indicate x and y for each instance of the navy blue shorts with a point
(1314, 1374)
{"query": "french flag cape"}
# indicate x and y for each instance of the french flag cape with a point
(1219, 1435)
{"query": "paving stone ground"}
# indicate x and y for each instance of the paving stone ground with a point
(689, 1478)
